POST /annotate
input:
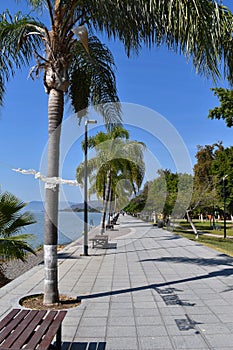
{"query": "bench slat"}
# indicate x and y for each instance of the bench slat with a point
(54, 328)
(20, 329)
(41, 331)
(27, 332)
(31, 329)
(10, 326)
(8, 318)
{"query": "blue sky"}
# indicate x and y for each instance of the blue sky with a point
(157, 81)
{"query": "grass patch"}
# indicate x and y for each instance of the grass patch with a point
(206, 227)
(218, 243)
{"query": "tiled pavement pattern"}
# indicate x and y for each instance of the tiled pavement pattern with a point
(154, 291)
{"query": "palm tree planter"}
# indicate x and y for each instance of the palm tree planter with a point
(68, 67)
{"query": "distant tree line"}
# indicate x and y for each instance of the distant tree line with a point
(169, 193)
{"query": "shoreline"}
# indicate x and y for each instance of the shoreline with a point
(15, 268)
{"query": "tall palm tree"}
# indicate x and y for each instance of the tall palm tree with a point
(13, 243)
(117, 158)
(74, 67)
(193, 28)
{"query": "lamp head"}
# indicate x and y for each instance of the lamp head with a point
(90, 121)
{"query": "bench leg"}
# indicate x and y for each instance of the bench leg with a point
(58, 339)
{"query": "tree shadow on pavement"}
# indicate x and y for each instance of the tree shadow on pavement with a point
(197, 261)
(213, 274)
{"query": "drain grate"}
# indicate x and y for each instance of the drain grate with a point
(171, 299)
(166, 290)
(183, 324)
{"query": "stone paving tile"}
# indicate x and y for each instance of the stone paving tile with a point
(121, 321)
(97, 313)
(188, 342)
(219, 340)
(216, 328)
(123, 343)
(93, 321)
(91, 331)
(226, 318)
(69, 334)
(115, 305)
(229, 325)
(171, 311)
(143, 298)
(144, 305)
(219, 302)
(151, 330)
(222, 309)
(121, 331)
(121, 298)
(155, 291)
(96, 305)
(121, 312)
(148, 320)
(72, 320)
(146, 312)
(155, 343)
(200, 310)
(204, 318)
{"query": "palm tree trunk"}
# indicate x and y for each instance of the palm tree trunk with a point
(110, 208)
(108, 186)
(115, 204)
(55, 113)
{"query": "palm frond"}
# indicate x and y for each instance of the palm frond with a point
(38, 3)
(93, 82)
(17, 47)
(16, 247)
(12, 221)
(194, 28)
(116, 154)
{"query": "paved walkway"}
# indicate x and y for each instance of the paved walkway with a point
(154, 291)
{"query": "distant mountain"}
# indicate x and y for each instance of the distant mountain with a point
(96, 205)
(35, 206)
(39, 206)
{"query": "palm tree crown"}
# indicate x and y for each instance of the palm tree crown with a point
(200, 30)
(118, 163)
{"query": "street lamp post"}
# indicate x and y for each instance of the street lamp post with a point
(224, 206)
(85, 245)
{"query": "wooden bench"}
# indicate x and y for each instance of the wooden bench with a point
(99, 241)
(31, 329)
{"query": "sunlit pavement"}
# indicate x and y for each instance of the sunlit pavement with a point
(154, 290)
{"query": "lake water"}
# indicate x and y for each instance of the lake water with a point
(71, 226)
